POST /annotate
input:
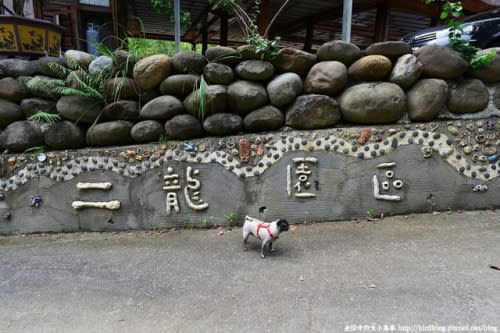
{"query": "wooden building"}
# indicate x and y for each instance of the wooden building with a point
(302, 24)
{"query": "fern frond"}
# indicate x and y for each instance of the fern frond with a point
(46, 117)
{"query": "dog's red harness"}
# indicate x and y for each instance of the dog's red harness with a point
(268, 227)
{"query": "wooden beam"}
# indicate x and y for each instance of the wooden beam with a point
(263, 20)
(309, 36)
(415, 7)
(382, 23)
(224, 27)
(477, 6)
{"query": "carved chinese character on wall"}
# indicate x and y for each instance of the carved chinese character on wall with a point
(299, 176)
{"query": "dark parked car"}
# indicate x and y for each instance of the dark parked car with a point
(482, 30)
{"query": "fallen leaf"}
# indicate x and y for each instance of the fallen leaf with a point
(435, 213)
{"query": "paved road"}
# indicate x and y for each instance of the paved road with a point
(419, 273)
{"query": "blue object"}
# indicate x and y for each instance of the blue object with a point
(92, 38)
(493, 158)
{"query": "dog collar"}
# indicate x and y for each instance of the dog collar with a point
(268, 227)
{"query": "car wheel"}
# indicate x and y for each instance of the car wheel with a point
(494, 43)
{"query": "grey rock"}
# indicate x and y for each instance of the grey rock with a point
(49, 85)
(12, 90)
(149, 95)
(189, 62)
(432, 57)
(373, 103)
(30, 106)
(82, 109)
(426, 99)
(468, 96)
(255, 70)
(43, 65)
(21, 135)
(267, 118)
(284, 88)
(122, 110)
(149, 72)
(370, 68)
(223, 55)
(17, 67)
(406, 71)
(111, 133)
(338, 50)
(78, 59)
(146, 131)
(162, 108)
(245, 96)
(295, 61)
(390, 49)
(184, 127)
(247, 52)
(326, 78)
(121, 88)
(10, 112)
(216, 73)
(489, 73)
(179, 85)
(101, 64)
(64, 135)
(215, 99)
(221, 124)
(313, 112)
(124, 61)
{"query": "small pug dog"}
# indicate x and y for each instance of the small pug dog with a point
(268, 232)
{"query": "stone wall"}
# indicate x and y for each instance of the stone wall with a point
(305, 137)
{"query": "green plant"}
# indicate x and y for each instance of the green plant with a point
(431, 203)
(187, 223)
(451, 12)
(45, 117)
(230, 218)
(165, 7)
(35, 150)
(370, 213)
(306, 217)
(205, 223)
(201, 92)
(163, 139)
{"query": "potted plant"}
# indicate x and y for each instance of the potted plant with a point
(27, 37)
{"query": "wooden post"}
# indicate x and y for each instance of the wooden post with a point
(309, 36)
(263, 21)
(223, 28)
(204, 36)
(382, 23)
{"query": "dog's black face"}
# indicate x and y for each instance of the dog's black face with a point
(283, 225)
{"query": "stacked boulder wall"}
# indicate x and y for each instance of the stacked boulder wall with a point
(146, 131)
(313, 112)
(204, 102)
(12, 90)
(221, 124)
(162, 108)
(179, 85)
(295, 61)
(489, 73)
(215, 73)
(426, 99)
(370, 68)
(338, 50)
(120, 88)
(223, 55)
(255, 70)
(10, 112)
(189, 62)
(64, 135)
(468, 96)
(373, 103)
(150, 71)
(80, 109)
(267, 118)
(30, 106)
(122, 110)
(406, 71)
(390, 49)
(284, 88)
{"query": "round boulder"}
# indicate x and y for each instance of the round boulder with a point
(17, 67)
(221, 124)
(326, 78)
(245, 96)
(81, 109)
(43, 65)
(313, 112)
(284, 88)
(373, 103)
(431, 57)
(370, 68)
(426, 99)
(184, 127)
(149, 72)
(21, 135)
(295, 61)
(267, 118)
(189, 62)
(468, 96)
(122, 110)
(30, 106)
(489, 73)
(101, 64)
(223, 55)
(111, 133)
(78, 59)
(216, 73)
(12, 90)
(146, 131)
(179, 85)
(214, 99)
(247, 52)
(338, 50)
(255, 70)
(64, 135)
(162, 108)
(10, 112)
(390, 49)
(120, 88)
(406, 71)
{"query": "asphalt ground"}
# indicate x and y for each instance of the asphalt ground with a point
(415, 273)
